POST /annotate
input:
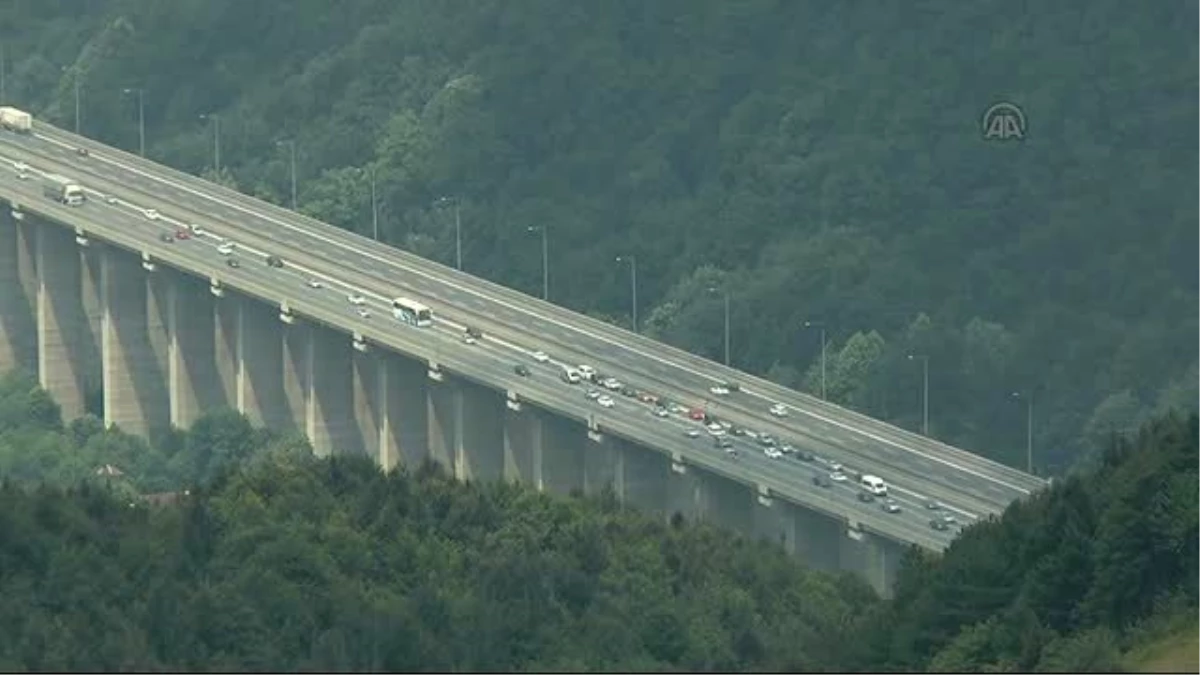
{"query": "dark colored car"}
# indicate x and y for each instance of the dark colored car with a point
(521, 369)
(821, 480)
(805, 456)
(938, 525)
(166, 238)
(274, 261)
(866, 497)
(233, 262)
(82, 152)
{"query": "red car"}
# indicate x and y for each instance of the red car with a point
(697, 414)
(183, 233)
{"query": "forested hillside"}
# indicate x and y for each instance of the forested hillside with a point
(274, 560)
(822, 161)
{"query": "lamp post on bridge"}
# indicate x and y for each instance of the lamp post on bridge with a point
(821, 326)
(1028, 428)
(216, 120)
(632, 260)
(291, 143)
(141, 98)
(725, 292)
(924, 358)
(545, 258)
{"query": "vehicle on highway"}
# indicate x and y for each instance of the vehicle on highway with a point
(166, 238)
(586, 372)
(873, 484)
(182, 233)
(646, 397)
(696, 414)
(678, 409)
(15, 119)
(723, 443)
(938, 525)
(662, 412)
(592, 394)
(948, 518)
(837, 477)
(570, 376)
(692, 433)
(314, 283)
(611, 383)
(82, 152)
(226, 248)
(111, 199)
(605, 401)
(63, 190)
(152, 214)
(933, 504)
(719, 390)
(521, 369)
(731, 452)
(767, 439)
(773, 453)
(779, 410)
(822, 481)
(836, 466)
(412, 312)
(196, 229)
(21, 168)
(628, 391)
(363, 312)
(805, 456)
(274, 261)
(356, 299)
(540, 356)
(715, 429)
(866, 497)
(233, 262)
(471, 335)
(890, 506)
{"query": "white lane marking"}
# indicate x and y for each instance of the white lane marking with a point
(311, 232)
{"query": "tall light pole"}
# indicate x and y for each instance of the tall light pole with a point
(374, 206)
(1028, 428)
(924, 358)
(141, 119)
(820, 325)
(291, 143)
(545, 258)
(725, 291)
(457, 229)
(3, 72)
(216, 120)
(75, 77)
(633, 284)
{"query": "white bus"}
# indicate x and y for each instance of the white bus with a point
(412, 312)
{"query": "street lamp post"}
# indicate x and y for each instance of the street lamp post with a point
(457, 230)
(820, 325)
(1028, 428)
(726, 293)
(545, 258)
(292, 150)
(924, 358)
(75, 77)
(374, 207)
(141, 119)
(633, 285)
(216, 120)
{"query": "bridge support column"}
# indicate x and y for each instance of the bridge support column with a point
(774, 519)
(562, 454)
(192, 362)
(91, 263)
(444, 401)
(685, 491)
(726, 504)
(60, 318)
(523, 447)
(818, 539)
(258, 343)
(646, 475)
(481, 436)
(133, 347)
(18, 297)
(331, 424)
(604, 467)
(408, 408)
(372, 405)
(232, 382)
(297, 375)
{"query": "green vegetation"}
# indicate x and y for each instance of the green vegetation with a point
(820, 160)
(275, 560)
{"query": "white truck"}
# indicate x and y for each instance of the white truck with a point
(16, 120)
(63, 190)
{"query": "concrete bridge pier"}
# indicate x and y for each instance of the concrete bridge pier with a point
(91, 264)
(523, 446)
(604, 466)
(133, 346)
(60, 317)
(563, 452)
(646, 474)
(259, 340)
(818, 539)
(871, 557)
(227, 330)
(444, 406)
(408, 408)
(480, 452)
(330, 421)
(18, 295)
(774, 519)
(686, 493)
(374, 397)
(193, 365)
(297, 372)
(725, 503)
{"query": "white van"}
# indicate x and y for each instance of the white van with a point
(873, 484)
(570, 376)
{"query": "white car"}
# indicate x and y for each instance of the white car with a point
(315, 283)
(715, 429)
(837, 477)
(718, 390)
(779, 410)
(611, 383)
(226, 248)
(469, 339)
(152, 214)
(836, 467)
(692, 433)
(592, 394)
(364, 312)
(111, 199)
(586, 371)
(662, 412)
(356, 299)
(605, 401)
(540, 356)
(773, 453)
(196, 229)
